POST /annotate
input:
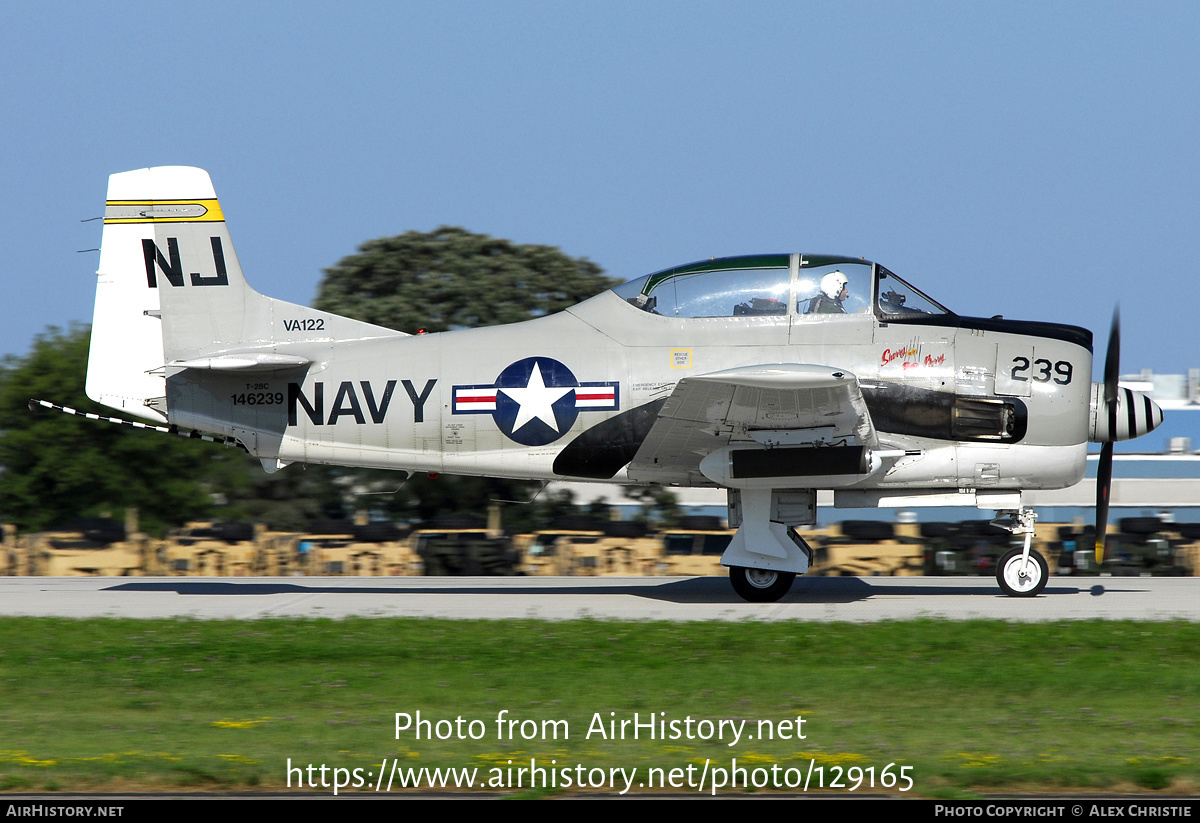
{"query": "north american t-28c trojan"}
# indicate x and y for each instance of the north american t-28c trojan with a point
(771, 376)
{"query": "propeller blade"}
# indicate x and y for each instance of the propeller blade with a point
(1112, 363)
(1112, 375)
(1103, 487)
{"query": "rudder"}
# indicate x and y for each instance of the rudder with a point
(126, 360)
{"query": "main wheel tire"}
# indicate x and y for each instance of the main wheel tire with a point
(1016, 580)
(760, 585)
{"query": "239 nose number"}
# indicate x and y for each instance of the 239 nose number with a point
(1042, 371)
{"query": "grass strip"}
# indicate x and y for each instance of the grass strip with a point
(111, 704)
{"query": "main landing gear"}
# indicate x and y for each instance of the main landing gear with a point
(1021, 572)
(760, 585)
(766, 553)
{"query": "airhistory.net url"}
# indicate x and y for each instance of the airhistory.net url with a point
(705, 777)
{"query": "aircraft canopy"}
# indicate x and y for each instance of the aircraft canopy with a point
(778, 284)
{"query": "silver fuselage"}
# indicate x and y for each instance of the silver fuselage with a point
(322, 414)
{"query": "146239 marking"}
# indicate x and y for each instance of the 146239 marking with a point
(262, 398)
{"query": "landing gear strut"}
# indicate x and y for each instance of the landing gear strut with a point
(1021, 572)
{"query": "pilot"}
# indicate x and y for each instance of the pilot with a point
(834, 291)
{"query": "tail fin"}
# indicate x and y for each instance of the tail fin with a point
(125, 364)
(170, 295)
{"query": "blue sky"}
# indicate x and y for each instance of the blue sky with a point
(1027, 159)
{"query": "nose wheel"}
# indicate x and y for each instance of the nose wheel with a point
(1021, 572)
(760, 585)
(1019, 576)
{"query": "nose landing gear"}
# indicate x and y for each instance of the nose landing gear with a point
(1021, 572)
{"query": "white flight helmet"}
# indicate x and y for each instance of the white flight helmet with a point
(832, 283)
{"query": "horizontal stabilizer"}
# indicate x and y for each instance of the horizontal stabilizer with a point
(255, 361)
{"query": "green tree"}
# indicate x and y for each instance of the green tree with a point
(291, 499)
(451, 278)
(55, 467)
(660, 506)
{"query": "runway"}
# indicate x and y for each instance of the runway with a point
(852, 599)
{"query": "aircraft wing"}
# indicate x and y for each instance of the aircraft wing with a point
(785, 404)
